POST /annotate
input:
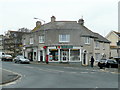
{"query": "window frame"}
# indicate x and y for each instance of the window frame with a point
(87, 40)
(97, 44)
(31, 40)
(41, 39)
(64, 38)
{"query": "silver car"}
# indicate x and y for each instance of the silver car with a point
(21, 59)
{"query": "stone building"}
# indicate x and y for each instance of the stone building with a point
(64, 41)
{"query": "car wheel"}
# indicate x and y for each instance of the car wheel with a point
(110, 66)
(19, 62)
(101, 67)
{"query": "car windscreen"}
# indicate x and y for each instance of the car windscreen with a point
(103, 60)
(21, 57)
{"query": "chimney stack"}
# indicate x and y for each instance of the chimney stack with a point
(81, 21)
(53, 19)
(38, 23)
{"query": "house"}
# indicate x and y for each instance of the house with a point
(114, 37)
(1, 44)
(13, 42)
(64, 41)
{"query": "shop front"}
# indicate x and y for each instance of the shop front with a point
(64, 53)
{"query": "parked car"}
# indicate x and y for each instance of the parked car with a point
(108, 63)
(101, 63)
(21, 59)
(117, 59)
(7, 57)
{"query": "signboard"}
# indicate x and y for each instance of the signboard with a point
(65, 47)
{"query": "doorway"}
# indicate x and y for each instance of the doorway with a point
(64, 55)
(41, 56)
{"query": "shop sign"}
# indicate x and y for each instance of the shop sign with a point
(66, 47)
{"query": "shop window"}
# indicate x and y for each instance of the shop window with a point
(75, 55)
(53, 56)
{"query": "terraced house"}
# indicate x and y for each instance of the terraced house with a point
(64, 41)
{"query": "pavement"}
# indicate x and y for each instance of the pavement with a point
(9, 76)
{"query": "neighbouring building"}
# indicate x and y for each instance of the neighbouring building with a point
(114, 38)
(1, 44)
(13, 41)
(64, 41)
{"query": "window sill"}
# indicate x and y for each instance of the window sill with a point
(87, 43)
(41, 42)
(97, 48)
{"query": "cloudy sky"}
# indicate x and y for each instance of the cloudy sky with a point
(100, 16)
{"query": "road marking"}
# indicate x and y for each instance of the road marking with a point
(73, 72)
(28, 67)
(16, 64)
(83, 72)
(51, 70)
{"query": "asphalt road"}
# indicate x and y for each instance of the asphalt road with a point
(50, 76)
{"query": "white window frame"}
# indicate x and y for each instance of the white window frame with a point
(64, 38)
(31, 41)
(97, 44)
(103, 46)
(24, 42)
(87, 40)
(41, 39)
(97, 56)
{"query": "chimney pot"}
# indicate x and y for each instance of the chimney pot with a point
(53, 19)
(81, 21)
(38, 23)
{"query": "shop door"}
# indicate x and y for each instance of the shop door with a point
(65, 55)
(41, 56)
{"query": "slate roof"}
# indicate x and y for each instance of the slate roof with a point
(100, 38)
(117, 33)
(73, 25)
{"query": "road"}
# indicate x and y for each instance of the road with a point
(50, 76)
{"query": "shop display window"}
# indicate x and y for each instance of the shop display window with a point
(74, 55)
(53, 56)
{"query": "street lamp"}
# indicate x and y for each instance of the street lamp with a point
(40, 19)
(44, 32)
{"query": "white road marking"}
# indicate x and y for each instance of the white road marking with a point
(28, 67)
(83, 72)
(51, 70)
(73, 72)
(16, 64)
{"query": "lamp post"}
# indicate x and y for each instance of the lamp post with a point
(44, 37)
(40, 19)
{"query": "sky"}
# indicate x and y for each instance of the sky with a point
(100, 16)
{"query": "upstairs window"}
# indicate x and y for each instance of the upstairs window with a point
(31, 41)
(24, 41)
(87, 40)
(41, 39)
(97, 44)
(103, 46)
(64, 38)
(97, 56)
